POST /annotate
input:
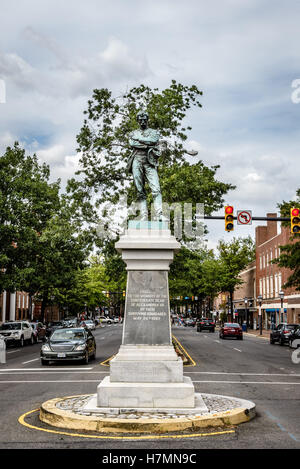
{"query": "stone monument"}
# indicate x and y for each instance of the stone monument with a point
(146, 373)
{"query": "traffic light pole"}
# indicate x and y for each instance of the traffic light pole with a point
(209, 217)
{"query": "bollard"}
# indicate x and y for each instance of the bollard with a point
(2, 350)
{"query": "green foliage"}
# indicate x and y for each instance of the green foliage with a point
(234, 257)
(103, 142)
(27, 202)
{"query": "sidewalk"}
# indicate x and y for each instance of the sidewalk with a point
(265, 334)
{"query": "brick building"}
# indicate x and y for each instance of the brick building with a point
(246, 311)
(14, 306)
(270, 277)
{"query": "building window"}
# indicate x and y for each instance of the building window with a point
(264, 261)
(260, 287)
(264, 287)
(260, 262)
(279, 282)
(268, 292)
(271, 256)
(267, 259)
(271, 287)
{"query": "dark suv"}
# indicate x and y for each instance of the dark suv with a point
(206, 324)
(282, 333)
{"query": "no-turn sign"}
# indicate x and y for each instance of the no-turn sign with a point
(244, 217)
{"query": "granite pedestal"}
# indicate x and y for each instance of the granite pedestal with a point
(147, 373)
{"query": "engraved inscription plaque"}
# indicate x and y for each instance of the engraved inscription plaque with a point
(147, 313)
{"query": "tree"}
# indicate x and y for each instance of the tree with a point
(104, 149)
(290, 253)
(27, 202)
(234, 257)
(59, 253)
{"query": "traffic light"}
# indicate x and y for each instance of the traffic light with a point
(124, 293)
(295, 220)
(229, 226)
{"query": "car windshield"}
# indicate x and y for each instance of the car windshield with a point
(291, 326)
(68, 334)
(57, 323)
(15, 326)
(231, 325)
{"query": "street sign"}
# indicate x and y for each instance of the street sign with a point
(244, 217)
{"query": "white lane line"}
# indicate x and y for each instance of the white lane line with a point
(237, 349)
(46, 372)
(242, 374)
(97, 381)
(217, 341)
(44, 369)
(53, 381)
(29, 361)
(14, 351)
(281, 383)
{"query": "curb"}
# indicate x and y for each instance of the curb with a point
(258, 336)
(52, 415)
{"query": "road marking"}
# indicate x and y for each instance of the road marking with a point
(279, 383)
(45, 372)
(14, 351)
(217, 341)
(46, 369)
(250, 382)
(22, 421)
(52, 381)
(237, 349)
(242, 374)
(29, 361)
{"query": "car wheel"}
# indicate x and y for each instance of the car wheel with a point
(271, 341)
(281, 342)
(21, 342)
(86, 358)
(43, 362)
(32, 339)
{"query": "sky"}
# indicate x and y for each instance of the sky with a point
(243, 54)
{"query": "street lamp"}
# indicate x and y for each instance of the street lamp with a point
(281, 294)
(246, 311)
(259, 299)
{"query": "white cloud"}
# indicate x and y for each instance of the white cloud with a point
(243, 54)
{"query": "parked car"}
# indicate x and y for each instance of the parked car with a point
(52, 326)
(17, 332)
(189, 322)
(206, 324)
(39, 331)
(105, 320)
(282, 333)
(116, 320)
(231, 329)
(295, 336)
(76, 344)
(89, 324)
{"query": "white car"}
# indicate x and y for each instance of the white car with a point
(18, 332)
(89, 324)
(105, 320)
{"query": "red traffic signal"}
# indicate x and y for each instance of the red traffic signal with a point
(229, 226)
(295, 220)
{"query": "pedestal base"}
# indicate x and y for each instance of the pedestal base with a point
(146, 364)
(146, 395)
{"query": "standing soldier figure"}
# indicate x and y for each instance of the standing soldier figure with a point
(143, 163)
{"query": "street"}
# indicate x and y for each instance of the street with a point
(250, 369)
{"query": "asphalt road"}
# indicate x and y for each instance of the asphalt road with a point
(250, 369)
